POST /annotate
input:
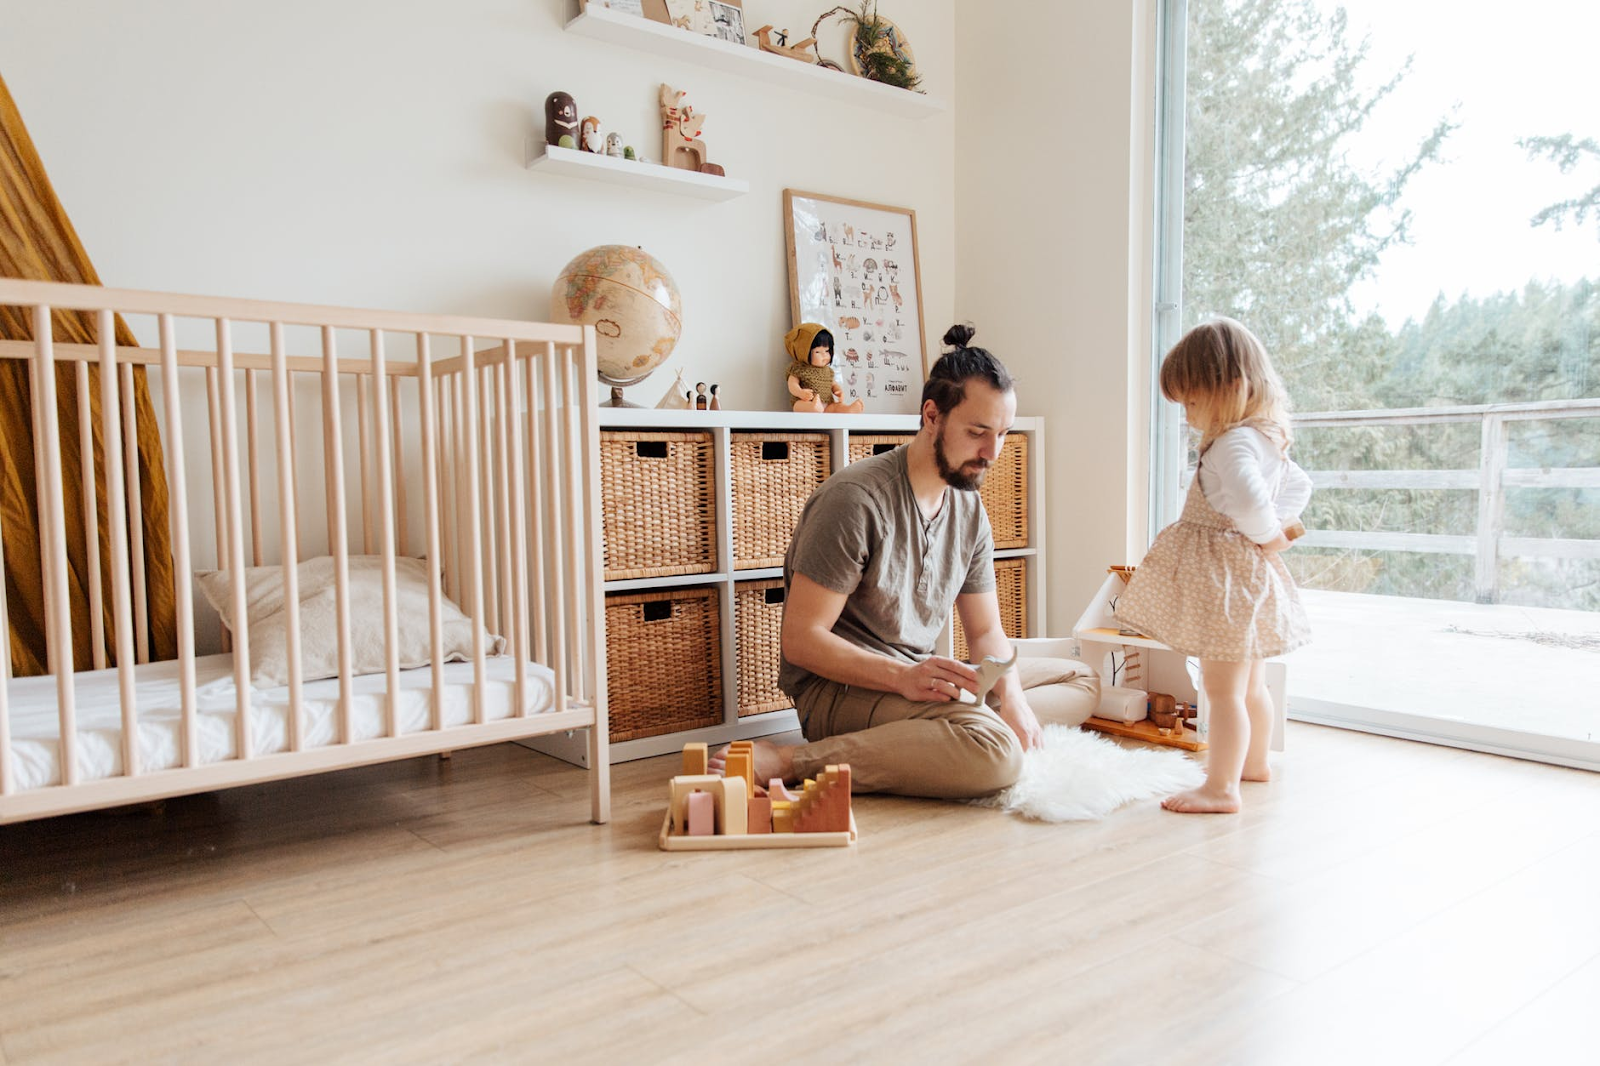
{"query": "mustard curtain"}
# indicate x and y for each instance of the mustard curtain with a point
(37, 242)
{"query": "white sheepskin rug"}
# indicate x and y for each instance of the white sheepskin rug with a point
(1077, 775)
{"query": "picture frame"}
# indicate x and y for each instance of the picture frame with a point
(723, 19)
(854, 267)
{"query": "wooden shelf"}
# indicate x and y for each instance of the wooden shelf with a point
(571, 163)
(1111, 636)
(631, 31)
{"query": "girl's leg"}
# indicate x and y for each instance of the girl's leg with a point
(1258, 704)
(1225, 685)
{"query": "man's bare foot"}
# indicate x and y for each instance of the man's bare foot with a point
(771, 760)
(1256, 771)
(1201, 801)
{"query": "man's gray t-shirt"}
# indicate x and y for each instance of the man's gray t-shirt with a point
(862, 534)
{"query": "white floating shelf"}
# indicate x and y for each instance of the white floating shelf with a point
(632, 31)
(571, 163)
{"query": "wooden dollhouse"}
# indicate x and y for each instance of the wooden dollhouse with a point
(1126, 661)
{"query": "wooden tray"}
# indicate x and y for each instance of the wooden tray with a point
(669, 842)
(1146, 730)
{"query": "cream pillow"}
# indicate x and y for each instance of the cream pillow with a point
(319, 639)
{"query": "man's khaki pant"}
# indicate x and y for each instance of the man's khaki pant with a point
(946, 750)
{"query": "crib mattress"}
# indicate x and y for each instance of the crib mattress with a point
(36, 723)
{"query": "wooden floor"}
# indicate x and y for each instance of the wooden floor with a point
(1384, 902)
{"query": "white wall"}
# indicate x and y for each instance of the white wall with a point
(1054, 126)
(370, 153)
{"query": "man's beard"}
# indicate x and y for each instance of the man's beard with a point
(958, 479)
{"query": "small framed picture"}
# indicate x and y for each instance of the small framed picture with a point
(728, 19)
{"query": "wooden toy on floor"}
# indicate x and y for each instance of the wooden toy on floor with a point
(708, 812)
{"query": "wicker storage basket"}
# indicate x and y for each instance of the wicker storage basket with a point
(758, 628)
(865, 444)
(774, 475)
(663, 663)
(658, 504)
(1005, 493)
(1011, 588)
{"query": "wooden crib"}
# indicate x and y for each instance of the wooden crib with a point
(473, 447)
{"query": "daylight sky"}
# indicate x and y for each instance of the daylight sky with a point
(1509, 71)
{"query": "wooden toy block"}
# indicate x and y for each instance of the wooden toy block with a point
(733, 812)
(825, 807)
(679, 791)
(696, 759)
(758, 817)
(702, 814)
(777, 791)
(741, 764)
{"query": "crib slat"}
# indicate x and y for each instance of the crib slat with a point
(8, 783)
(502, 510)
(363, 429)
(135, 516)
(339, 526)
(511, 463)
(283, 414)
(385, 479)
(91, 518)
(475, 530)
(430, 511)
(397, 441)
(53, 540)
(486, 495)
(536, 564)
(600, 735)
(571, 471)
(235, 553)
(219, 493)
(178, 497)
(254, 453)
(460, 441)
(117, 532)
(552, 474)
(294, 432)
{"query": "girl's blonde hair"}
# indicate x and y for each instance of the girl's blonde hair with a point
(1220, 366)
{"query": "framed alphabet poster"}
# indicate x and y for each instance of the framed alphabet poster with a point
(853, 267)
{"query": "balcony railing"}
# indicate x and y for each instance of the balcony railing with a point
(1490, 480)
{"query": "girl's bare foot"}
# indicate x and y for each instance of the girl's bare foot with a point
(1202, 801)
(1256, 771)
(771, 760)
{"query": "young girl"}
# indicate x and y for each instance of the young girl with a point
(1212, 585)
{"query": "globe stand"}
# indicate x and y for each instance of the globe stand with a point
(617, 385)
(617, 400)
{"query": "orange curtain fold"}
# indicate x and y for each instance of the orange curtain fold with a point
(37, 242)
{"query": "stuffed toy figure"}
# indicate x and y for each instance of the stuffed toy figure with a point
(811, 382)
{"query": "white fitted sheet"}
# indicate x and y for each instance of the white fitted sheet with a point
(36, 723)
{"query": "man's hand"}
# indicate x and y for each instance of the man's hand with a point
(937, 679)
(1017, 714)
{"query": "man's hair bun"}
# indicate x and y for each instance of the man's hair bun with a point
(957, 336)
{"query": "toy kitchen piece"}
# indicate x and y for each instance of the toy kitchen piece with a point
(1136, 672)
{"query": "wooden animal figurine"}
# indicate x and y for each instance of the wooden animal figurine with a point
(681, 146)
(791, 51)
(560, 120)
(992, 670)
(590, 139)
(614, 145)
(810, 375)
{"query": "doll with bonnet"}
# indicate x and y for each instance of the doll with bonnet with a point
(811, 383)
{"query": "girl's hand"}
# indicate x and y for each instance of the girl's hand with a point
(1276, 544)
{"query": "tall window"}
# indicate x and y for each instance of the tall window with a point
(1410, 220)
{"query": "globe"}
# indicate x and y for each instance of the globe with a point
(626, 294)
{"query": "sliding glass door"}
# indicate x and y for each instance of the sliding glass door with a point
(1414, 233)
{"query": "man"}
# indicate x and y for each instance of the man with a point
(882, 551)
